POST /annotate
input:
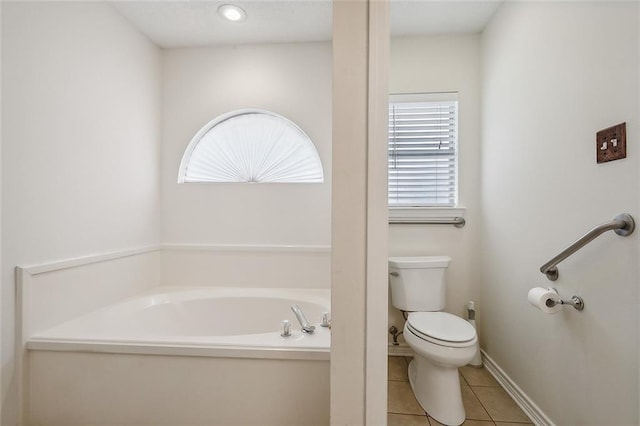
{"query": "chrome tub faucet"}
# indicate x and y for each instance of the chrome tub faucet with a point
(306, 327)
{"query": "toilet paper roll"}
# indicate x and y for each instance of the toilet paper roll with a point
(539, 296)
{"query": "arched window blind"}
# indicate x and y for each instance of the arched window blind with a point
(251, 146)
(422, 151)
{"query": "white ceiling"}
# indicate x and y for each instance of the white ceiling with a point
(196, 23)
(426, 17)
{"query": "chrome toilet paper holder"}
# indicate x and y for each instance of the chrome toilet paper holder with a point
(576, 301)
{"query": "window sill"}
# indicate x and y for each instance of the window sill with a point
(399, 215)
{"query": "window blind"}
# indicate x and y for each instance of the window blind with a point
(251, 145)
(422, 153)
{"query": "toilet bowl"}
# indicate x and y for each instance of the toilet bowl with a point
(442, 342)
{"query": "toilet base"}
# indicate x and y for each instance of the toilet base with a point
(437, 390)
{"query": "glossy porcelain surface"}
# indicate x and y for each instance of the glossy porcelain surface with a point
(441, 326)
(441, 341)
(433, 375)
(200, 316)
(418, 283)
(419, 261)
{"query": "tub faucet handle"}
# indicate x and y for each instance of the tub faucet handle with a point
(326, 321)
(285, 329)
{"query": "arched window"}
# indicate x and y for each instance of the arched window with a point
(251, 146)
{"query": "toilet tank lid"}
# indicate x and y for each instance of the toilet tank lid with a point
(420, 262)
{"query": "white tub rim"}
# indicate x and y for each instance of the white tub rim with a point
(317, 346)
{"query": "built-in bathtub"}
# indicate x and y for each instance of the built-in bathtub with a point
(184, 355)
(220, 321)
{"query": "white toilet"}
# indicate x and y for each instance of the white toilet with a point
(442, 342)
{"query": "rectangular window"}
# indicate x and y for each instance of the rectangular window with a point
(422, 150)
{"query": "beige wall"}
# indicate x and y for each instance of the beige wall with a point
(359, 212)
(80, 144)
(550, 81)
(293, 80)
(349, 214)
(1, 278)
(445, 64)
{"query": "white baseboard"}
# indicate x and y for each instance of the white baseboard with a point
(522, 399)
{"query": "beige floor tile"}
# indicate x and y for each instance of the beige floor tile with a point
(478, 376)
(499, 405)
(434, 422)
(512, 424)
(401, 400)
(463, 382)
(472, 406)
(398, 368)
(406, 420)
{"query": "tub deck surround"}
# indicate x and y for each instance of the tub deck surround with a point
(257, 265)
(184, 355)
(106, 389)
(52, 293)
(112, 314)
(198, 321)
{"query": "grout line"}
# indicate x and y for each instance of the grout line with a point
(485, 408)
(412, 415)
(482, 405)
(403, 414)
(464, 379)
(473, 420)
(408, 414)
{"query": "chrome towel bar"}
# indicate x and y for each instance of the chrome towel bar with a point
(458, 222)
(623, 225)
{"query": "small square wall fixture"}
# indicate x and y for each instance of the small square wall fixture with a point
(611, 143)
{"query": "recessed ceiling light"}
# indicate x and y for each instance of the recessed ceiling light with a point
(232, 13)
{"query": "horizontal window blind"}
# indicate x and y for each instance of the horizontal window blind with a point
(422, 153)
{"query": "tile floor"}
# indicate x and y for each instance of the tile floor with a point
(485, 402)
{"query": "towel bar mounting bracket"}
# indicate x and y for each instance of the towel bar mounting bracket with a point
(629, 224)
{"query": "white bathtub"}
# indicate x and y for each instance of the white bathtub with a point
(208, 321)
(185, 356)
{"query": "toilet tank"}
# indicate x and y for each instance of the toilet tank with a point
(418, 283)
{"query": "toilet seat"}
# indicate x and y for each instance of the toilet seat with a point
(442, 329)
